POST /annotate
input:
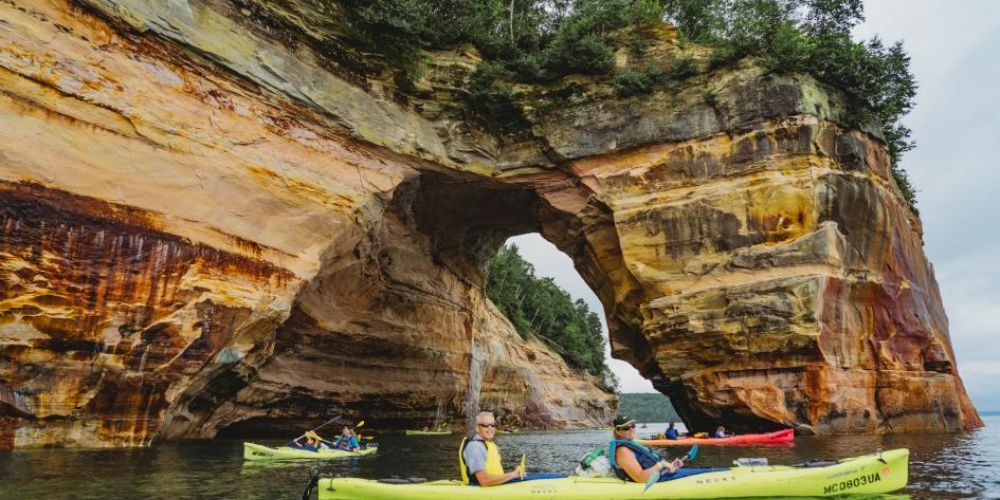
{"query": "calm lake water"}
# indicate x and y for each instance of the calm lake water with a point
(942, 466)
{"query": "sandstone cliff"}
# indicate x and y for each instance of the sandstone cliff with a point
(209, 225)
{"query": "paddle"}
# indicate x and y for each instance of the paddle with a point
(359, 437)
(655, 477)
(328, 422)
(521, 468)
(311, 484)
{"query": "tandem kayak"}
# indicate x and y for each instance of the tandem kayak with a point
(878, 473)
(778, 437)
(253, 451)
(427, 433)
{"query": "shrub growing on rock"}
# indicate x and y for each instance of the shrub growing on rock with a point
(812, 37)
(537, 41)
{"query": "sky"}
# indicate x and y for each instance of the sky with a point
(955, 56)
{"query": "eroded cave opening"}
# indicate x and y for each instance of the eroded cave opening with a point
(396, 328)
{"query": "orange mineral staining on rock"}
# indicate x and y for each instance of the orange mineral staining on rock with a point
(207, 227)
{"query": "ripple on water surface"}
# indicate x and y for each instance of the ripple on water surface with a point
(942, 466)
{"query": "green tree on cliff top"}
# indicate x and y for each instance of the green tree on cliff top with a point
(812, 37)
(544, 40)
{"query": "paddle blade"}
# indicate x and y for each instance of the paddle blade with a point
(359, 424)
(521, 469)
(693, 452)
(653, 479)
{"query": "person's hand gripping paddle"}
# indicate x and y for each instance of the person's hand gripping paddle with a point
(655, 477)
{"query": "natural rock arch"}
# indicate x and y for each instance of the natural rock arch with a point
(397, 319)
(208, 228)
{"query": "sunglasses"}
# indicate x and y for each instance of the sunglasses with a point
(626, 428)
(487, 425)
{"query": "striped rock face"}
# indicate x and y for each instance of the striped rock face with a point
(184, 252)
(208, 228)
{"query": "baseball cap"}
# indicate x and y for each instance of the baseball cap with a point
(623, 421)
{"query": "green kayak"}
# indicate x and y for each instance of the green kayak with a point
(881, 472)
(410, 432)
(253, 451)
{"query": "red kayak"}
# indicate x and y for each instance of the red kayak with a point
(779, 437)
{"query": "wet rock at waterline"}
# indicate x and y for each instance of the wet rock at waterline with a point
(208, 228)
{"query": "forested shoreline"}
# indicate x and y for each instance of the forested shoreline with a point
(647, 407)
(540, 308)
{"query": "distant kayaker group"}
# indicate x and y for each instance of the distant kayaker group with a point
(311, 441)
(673, 434)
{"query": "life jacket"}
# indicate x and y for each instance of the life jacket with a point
(345, 442)
(645, 456)
(672, 434)
(493, 464)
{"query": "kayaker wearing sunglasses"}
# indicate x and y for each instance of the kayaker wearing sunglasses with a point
(632, 461)
(479, 458)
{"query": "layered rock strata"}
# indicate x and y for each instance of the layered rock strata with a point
(183, 254)
(208, 227)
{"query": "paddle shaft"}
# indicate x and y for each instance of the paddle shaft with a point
(328, 422)
(693, 452)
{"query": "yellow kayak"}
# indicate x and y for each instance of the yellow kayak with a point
(427, 433)
(253, 451)
(877, 473)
